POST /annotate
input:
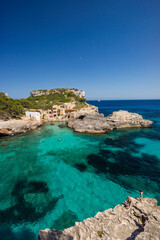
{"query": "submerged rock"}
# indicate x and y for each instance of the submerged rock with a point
(121, 223)
(62, 125)
(97, 123)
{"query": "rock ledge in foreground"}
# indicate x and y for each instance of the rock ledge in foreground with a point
(120, 223)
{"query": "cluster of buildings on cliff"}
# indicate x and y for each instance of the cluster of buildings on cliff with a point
(62, 112)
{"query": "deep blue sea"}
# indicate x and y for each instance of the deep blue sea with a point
(53, 177)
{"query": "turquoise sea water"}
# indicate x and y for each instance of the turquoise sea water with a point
(53, 177)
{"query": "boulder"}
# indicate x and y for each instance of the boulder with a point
(62, 125)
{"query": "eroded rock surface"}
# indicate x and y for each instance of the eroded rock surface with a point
(90, 123)
(97, 123)
(121, 119)
(78, 93)
(121, 223)
(12, 127)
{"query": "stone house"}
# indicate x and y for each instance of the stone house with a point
(61, 112)
(70, 105)
(35, 115)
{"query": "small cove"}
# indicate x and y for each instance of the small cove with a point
(52, 177)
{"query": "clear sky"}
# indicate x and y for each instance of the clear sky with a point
(109, 48)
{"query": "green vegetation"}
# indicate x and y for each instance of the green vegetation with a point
(10, 107)
(60, 90)
(81, 103)
(46, 102)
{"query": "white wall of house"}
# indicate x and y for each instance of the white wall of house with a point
(35, 115)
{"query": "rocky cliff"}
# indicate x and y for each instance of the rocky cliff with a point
(97, 123)
(121, 223)
(78, 93)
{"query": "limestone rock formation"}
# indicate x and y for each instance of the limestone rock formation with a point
(78, 93)
(97, 123)
(12, 127)
(121, 223)
(88, 110)
(121, 119)
(90, 123)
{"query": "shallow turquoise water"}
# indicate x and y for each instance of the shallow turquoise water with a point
(52, 177)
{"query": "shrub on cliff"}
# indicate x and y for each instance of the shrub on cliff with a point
(57, 98)
(10, 107)
(25, 103)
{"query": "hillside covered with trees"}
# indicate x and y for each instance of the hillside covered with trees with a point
(15, 108)
(56, 98)
(10, 108)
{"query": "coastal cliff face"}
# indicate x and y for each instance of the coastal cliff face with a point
(89, 109)
(121, 223)
(97, 123)
(78, 93)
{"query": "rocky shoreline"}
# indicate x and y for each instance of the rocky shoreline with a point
(12, 127)
(97, 123)
(86, 120)
(120, 223)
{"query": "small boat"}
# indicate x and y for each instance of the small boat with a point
(99, 100)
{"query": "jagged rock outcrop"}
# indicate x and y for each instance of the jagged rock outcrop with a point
(90, 123)
(121, 223)
(12, 127)
(97, 123)
(78, 93)
(89, 109)
(122, 119)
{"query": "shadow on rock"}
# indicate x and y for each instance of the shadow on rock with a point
(136, 232)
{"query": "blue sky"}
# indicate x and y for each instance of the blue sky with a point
(109, 48)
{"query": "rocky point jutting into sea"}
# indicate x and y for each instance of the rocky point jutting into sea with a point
(121, 223)
(97, 123)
